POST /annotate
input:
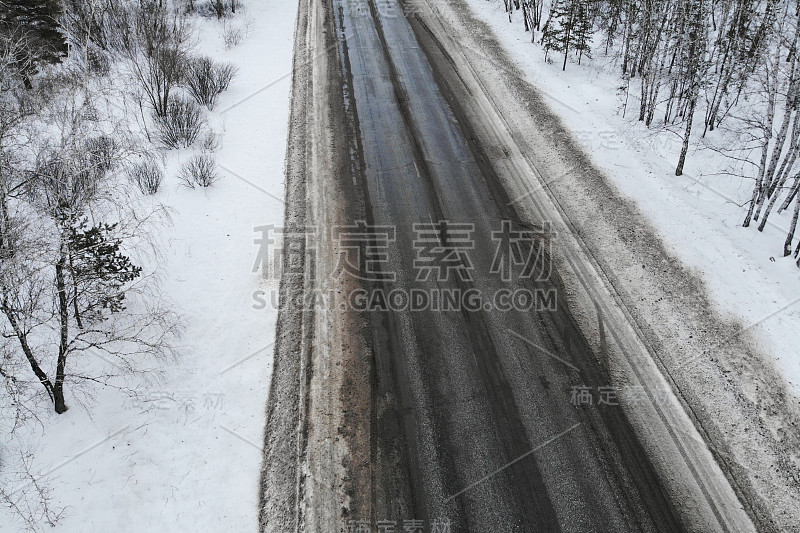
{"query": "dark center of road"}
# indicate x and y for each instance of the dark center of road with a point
(492, 412)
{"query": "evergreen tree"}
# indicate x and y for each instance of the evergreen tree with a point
(569, 27)
(99, 271)
(582, 31)
(34, 24)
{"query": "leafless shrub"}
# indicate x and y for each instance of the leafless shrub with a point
(102, 153)
(200, 170)
(155, 42)
(147, 175)
(182, 124)
(234, 32)
(232, 35)
(207, 79)
(210, 142)
(30, 501)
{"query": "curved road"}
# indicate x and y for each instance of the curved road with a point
(480, 419)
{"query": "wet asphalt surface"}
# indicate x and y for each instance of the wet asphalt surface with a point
(494, 414)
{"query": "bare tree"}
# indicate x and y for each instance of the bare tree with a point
(726, 60)
(155, 42)
(780, 142)
(692, 68)
(64, 289)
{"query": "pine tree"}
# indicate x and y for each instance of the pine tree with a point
(582, 31)
(569, 27)
(552, 30)
(98, 269)
(34, 24)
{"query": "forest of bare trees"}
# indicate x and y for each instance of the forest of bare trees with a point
(696, 67)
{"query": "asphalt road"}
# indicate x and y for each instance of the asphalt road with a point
(480, 423)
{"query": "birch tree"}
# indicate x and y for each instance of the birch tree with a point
(66, 281)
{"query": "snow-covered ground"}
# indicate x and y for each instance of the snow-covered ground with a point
(698, 215)
(185, 456)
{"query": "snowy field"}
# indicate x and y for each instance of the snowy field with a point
(185, 454)
(698, 215)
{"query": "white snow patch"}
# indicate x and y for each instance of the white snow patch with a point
(187, 456)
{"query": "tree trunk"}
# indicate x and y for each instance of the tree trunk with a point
(643, 99)
(63, 346)
(757, 188)
(787, 246)
(769, 207)
(26, 349)
(777, 150)
(525, 15)
(687, 133)
(569, 33)
(75, 309)
(788, 162)
(792, 194)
